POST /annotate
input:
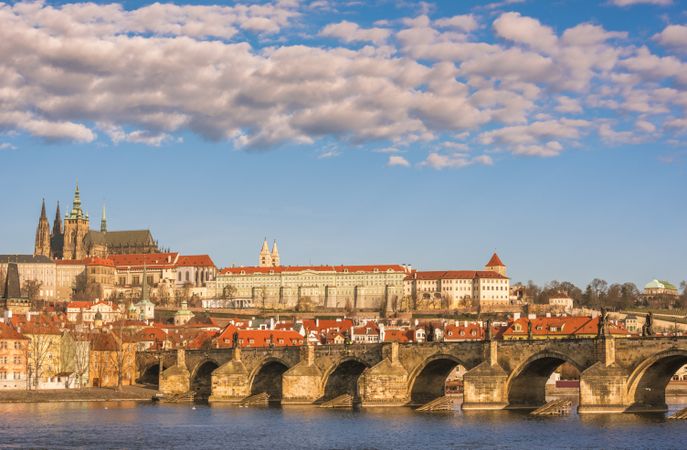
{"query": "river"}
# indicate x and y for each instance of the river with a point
(145, 425)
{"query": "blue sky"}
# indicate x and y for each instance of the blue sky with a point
(423, 133)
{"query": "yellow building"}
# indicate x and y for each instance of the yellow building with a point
(111, 357)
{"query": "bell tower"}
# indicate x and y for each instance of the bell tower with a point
(265, 259)
(275, 254)
(76, 225)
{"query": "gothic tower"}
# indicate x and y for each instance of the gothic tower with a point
(42, 245)
(75, 229)
(275, 254)
(265, 255)
(57, 236)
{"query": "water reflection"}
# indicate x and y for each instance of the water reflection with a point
(135, 425)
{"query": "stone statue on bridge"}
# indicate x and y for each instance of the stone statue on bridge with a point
(603, 317)
(648, 327)
(529, 329)
(487, 330)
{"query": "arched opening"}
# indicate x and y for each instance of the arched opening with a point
(439, 377)
(151, 376)
(269, 379)
(648, 385)
(344, 380)
(542, 376)
(201, 381)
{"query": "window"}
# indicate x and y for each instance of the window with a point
(17, 345)
(187, 276)
(3, 345)
(3, 375)
(17, 359)
(17, 375)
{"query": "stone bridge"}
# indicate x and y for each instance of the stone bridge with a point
(616, 375)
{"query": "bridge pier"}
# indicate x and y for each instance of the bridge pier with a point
(602, 386)
(485, 387)
(302, 383)
(386, 383)
(176, 380)
(230, 381)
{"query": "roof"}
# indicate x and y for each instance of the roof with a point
(454, 274)
(562, 326)
(150, 260)
(258, 338)
(94, 261)
(12, 289)
(327, 324)
(495, 261)
(337, 269)
(123, 238)
(104, 342)
(401, 336)
(660, 284)
(25, 259)
(7, 332)
(195, 261)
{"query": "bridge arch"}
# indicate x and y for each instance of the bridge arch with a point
(267, 377)
(646, 386)
(526, 385)
(342, 378)
(428, 380)
(150, 375)
(201, 379)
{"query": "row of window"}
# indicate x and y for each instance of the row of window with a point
(3, 345)
(3, 360)
(16, 376)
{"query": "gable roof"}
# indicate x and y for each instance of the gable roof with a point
(453, 275)
(150, 260)
(195, 261)
(25, 259)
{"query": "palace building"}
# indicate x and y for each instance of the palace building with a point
(74, 239)
(272, 285)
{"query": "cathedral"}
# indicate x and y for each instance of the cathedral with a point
(75, 240)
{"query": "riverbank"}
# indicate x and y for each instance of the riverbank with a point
(136, 393)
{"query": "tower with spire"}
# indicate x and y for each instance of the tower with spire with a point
(42, 244)
(57, 236)
(265, 259)
(76, 226)
(103, 222)
(275, 254)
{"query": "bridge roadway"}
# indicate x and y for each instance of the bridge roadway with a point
(616, 375)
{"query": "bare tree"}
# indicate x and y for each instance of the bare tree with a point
(75, 356)
(32, 288)
(39, 349)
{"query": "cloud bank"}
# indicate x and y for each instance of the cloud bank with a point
(88, 72)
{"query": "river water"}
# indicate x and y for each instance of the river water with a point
(146, 425)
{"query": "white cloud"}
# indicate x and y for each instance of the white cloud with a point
(399, 161)
(640, 2)
(526, 30)
(455, 161)
(351, 32)
(328, 154)
(466, 22)
(673, 36)
(7, 146)
(568, 105)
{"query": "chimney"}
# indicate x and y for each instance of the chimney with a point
(28, 316)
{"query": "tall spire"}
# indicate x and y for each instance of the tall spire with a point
(265, 259)
(144, 287)
(76, 212)
(57, 223)
(103, 222)
(42, 242)
(275, 254)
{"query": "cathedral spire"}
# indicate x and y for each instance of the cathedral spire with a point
(42, 242)
(57, 223)
(76, 212)
(103, 222)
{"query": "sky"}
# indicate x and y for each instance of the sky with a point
(383, 131)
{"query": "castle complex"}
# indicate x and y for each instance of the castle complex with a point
(75, 240)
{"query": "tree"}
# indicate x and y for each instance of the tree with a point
(39, 349)
(75, 356)
(304, 304)
(229, 292)
(32, 288)
(683, 296)
(595, 295)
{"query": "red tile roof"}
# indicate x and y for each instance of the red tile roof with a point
(454, 274)
(195, 261)
(258, 338)
(562, 326)
(7, 332)
(338, 269)
(93, 261)
(150, 260)
(327, 324)
(69, 262)
(495, 261)
(401, 336)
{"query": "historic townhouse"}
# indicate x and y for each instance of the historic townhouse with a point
(460, 288)
(13, 358)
